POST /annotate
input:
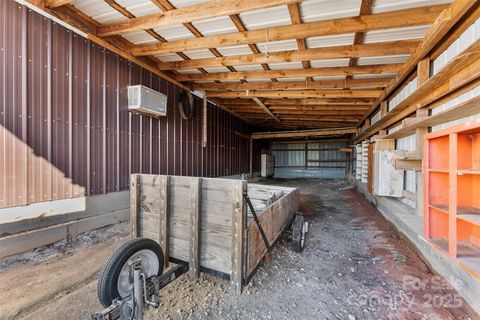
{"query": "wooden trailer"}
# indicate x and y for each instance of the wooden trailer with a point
(205, 223)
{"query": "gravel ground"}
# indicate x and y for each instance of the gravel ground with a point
(354, 266)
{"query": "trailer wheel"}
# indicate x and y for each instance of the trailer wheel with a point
(115, 279)
(298, 233)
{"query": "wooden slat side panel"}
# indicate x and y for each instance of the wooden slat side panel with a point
(273, 219)
(215, 217)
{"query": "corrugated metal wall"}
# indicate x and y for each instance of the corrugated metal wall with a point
(323, 160)
(65, 130)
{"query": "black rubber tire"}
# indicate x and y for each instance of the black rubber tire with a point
(297, 231)
(107, 289)
(186, 106)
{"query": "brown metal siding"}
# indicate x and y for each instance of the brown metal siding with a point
(65, 130)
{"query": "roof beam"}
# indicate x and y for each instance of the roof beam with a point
(312, 72)
(295, 94)
(386, 20)
(57, 3)
(307, 102)
(439, 29)
(265, 108)
(302, 133)
(294, 85)
(348, 51)
(196, 12)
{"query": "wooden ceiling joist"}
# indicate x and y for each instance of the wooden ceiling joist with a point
(312, 72)
(380, 21)
(57, 3)
(305, 101)
(347, 51)
(302, 133)
(295, 94)
(294, 85)
(196, 12)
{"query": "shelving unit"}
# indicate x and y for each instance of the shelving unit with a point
(365, 161)
(452, 193)
(358, 169)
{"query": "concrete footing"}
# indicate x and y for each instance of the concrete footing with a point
(58, 223)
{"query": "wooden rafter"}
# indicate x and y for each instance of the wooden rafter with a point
(387, 20)
(294, 85)
(265, 108)
(240, 26)
(442, 25)
(294, 12)
(302, 55)
(365, 8)
(295, 94)
(298, 134)
(201, 11)
(165, 5)
(306, 101)
(313, 72)
(57, 3)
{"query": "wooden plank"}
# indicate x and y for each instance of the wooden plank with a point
(201, 11)
(335, 52)
(312, 72)
(275, 218)
(134, 208)
(462, 110)
(57, 3)
(408, 164)
(195, 207)
(380, 21)
(293, 85)
(301, 133)
(265, 108)
(164, 218)
(239, 213)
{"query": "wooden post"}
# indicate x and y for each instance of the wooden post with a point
(204, 122)
(164, 218)
(195, 205)
(306, 155)
(452, 190)
(423, 74)
(250, 171)
(239, 213)
(134, 189)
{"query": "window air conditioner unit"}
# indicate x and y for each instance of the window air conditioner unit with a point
(146, 101)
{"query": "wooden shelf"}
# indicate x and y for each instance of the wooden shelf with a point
(440, 207)
(452, 200)
(468, 171)
(439, 170)
(471, 215)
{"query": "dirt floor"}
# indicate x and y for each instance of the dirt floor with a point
(354, 266)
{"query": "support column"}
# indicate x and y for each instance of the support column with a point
(423, 74)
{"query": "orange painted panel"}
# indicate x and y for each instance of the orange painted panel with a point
(438, 149)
